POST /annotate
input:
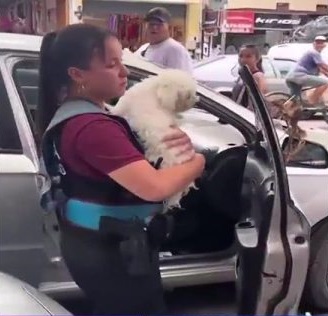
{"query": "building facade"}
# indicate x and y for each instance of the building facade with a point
(125, 18)
(33, 16)
(266, 22)
(312, 6)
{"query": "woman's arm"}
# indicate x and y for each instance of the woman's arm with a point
(150, 184)
(261, 82)
(104, 145)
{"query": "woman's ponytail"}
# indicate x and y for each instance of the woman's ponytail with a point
(48, 85)
(260, 64)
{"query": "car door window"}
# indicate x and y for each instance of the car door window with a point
(9, 136)
(26, 77)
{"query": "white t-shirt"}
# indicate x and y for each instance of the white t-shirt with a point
(169, 54)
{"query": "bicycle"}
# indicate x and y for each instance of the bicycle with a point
(308, 111)
(292, 108)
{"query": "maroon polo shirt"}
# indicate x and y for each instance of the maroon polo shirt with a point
(93, 145)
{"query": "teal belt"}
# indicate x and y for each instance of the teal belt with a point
(87, 215)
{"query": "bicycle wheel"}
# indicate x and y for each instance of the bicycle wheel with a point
(278, 99)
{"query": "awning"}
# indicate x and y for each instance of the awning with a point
(158, 1)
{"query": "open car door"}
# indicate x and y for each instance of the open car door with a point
(273, 235)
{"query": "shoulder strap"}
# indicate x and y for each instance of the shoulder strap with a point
(143, 53)
(68, 110)
(73, 108)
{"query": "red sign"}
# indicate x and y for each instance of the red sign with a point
(237, 21)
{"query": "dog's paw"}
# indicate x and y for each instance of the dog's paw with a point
(193, 186)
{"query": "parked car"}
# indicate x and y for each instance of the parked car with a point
(293, 51)
(19, 298)
(221, 73)
(243, 216)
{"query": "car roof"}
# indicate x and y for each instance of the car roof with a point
(20, 42)
(228, 57)
(293, 51)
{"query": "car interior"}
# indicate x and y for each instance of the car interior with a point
(206, 219)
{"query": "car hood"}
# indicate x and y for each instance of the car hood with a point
(317, 132)
(204, 129)
(19, 298)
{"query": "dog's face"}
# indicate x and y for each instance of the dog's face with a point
(176, 90)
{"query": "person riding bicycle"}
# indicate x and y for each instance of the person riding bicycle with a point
(308, 69)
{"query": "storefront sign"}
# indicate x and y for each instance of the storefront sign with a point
(237, 21)
(210, 19)
(276, 21)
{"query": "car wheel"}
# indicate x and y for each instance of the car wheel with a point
(316, 287)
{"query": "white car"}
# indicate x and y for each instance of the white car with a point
(285, 56)
(19, 298)
(244, 211)
(293, 51)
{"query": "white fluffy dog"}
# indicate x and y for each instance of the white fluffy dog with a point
(151, 108)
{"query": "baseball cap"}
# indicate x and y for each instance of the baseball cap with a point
(320, 38)
(158, 14)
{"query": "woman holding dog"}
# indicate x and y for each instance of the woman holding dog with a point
(110, 230)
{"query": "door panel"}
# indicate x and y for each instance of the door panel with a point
(273, 237)
(21, 234)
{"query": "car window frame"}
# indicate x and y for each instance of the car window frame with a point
(21, 93)
(26, 132)
(8, 125)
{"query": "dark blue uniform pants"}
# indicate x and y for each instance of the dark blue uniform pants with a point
(96, 265)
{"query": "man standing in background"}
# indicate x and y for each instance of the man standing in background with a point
(162, 49)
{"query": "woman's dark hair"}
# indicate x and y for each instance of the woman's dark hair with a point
(255, 50)
(73, 46)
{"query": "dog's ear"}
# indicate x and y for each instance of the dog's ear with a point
(167, 95)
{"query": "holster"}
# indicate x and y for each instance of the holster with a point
(137, 240)
(133, 243)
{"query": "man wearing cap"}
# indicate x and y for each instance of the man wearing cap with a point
(162, 49)
(308, 69)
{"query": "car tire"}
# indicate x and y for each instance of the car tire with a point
(316, 287)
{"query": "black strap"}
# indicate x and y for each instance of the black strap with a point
(143, 53)
(74, 185)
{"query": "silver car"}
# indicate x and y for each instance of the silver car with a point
(242, 222)
(221, 73)
(19, 298)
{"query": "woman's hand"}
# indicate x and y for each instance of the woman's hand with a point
(179, 140)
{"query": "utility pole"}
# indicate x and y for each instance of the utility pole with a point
(202, 29)
(223, 29)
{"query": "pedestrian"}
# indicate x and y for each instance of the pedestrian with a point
(162, 49)
(250, 56)
(110, 221)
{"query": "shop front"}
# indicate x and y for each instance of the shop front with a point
(29, 16)
(125, 18)
(259, 28)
